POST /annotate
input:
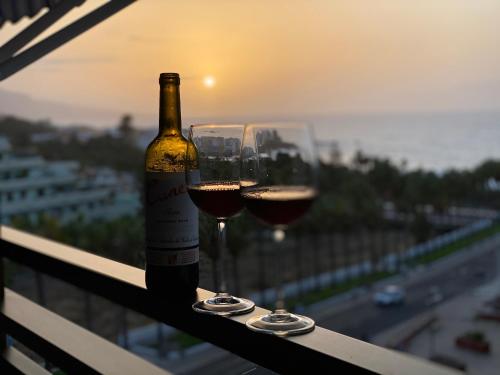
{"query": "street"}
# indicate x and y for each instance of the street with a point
(359, 317)
(365, 319)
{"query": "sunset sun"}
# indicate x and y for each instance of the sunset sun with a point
(209, 81)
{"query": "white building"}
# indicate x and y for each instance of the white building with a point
(31, 186)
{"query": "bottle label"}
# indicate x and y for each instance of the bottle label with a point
(171, 220)
(172, 257)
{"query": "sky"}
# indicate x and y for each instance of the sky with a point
(259, 58)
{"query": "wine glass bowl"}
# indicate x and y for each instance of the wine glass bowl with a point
(278, 206)
(278, 172)
(221, 200)
(213, 183)
(278, 186)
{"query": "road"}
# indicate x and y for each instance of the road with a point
(364, 319)
(360, 318)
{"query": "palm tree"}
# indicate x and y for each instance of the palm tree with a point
(237, 242)
(297, 256)
(262, 274)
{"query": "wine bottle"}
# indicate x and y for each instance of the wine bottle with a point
(172, 252)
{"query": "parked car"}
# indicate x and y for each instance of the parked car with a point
(389, 295)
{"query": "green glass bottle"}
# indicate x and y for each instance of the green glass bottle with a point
(172, 253)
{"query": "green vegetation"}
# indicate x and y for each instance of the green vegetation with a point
(455, 246)
(318, 295)
(352, 196)
(120, 239)
(184, 340)
(103, 150)
(18, 130)
(314, 296)
(475, 335)
(118, 152)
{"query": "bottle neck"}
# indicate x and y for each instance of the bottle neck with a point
(170, 109)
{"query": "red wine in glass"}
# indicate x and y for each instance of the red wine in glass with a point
(213, 184)
(279, 205)
(278, 185)
(218, 199)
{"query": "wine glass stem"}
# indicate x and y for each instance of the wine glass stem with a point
(279, 236)
(221, 242)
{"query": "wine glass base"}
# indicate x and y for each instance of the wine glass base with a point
(224, 304)
(281, 323)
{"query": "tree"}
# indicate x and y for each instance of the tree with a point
(125, 127)
(421, 228)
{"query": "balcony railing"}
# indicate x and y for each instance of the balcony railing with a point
(76, 350)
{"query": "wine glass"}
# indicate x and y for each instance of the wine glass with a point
(278, 185)
(213, 183)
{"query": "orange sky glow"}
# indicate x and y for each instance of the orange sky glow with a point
(278, 58)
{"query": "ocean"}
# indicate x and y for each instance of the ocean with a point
(430, 141)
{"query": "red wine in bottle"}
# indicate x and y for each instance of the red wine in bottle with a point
(279, 205)
(172, 253)
(221, 200)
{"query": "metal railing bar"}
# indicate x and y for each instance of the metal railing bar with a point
(64, 343)
(12, 361)
(3, 337)
(36, 28)
(52, 42)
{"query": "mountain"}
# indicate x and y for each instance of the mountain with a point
(24, 106)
